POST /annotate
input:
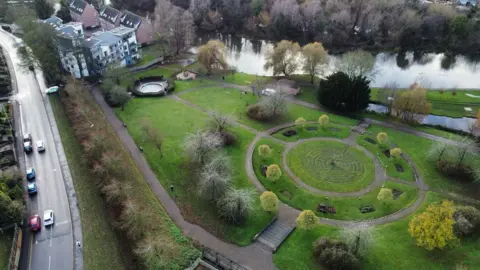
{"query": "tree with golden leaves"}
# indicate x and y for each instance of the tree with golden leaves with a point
(315, 58)
(212, 56)
(301, 122)
(433, 229)
(412, 103)
(264, 151)
(382, 138)
(323, 121)
(385, 194)
(396, 152)
(307, 220)
(269, 201)
(283, 58)
(274, 172)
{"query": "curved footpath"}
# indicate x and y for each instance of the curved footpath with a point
(252, 256)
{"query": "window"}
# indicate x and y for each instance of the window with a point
(105, 53)
(98, 57)
(79, 32)
(72, 66)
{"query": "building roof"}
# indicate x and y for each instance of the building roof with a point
(101, 38)
(78, 6)
(131, 20)
(54, 21)
(121, 31)
(110, 14)
(66, 31)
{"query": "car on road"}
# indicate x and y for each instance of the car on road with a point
(52, 90)
(35, 223)
(32, 188)
(48, 218)
(30, 174)
(40, 146)
(27, 143)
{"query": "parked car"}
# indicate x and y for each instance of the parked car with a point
(268, 92)
(27, 143)
(40, 146)
(35, 223)
(30, 174)
(27, 137)
(52, 90)
(48, 218)
(32, 188)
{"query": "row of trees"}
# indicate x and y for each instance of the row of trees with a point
(11, 198)
(206, 153)
(118, 179)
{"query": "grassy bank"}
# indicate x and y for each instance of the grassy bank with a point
(102, 248)
(6, 239)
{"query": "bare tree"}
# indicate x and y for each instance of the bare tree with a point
(174, 25)
(387, 95)
(287, 9)
(358, 237)
(438, 150)
(212, 56)
(133, 219)
(219, 123)
(234, 206)
(466, 147)
(275, 104)
(356, 63)
(412, 104)
(213, 182)
(200, 10)
(315, 59)
(200, 145)
(152, 135)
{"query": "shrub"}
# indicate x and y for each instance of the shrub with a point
(385, 194)
(228, 138)
(269, 201)
(467, 220)
(264, 151)
(396, 152)
(334, 254)
(471, 213)
(323, 121)
(307, 220)
(301, 122)
(382, 138)
(457, 171)
(274, 172)
(462, 227)
(258, 112)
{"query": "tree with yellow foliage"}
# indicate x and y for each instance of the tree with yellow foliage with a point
(273, 172)
(382, 138)
(269, 201)
(301, 122)
(396, 152)
(412, 103)
(307, 220)
(433, 229)
(264, 151)
(323, 121)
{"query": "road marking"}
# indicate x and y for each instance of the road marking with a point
(51, 232)
(30, 250)
(49, 262)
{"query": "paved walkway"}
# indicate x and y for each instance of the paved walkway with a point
(253, 256)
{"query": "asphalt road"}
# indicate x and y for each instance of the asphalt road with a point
(51, 248)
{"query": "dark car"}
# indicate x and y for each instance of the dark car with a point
(32, 188)
(30, 174)
(27, 143)
(35, 223)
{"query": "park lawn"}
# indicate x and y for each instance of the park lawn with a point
(240, 78)
(453, 110)
(347, 207)
(308, 94)
(334, 131)
(324, 152)
(165, 71)
(457, 96)
(181, 86)
(417, 148)
(231, 101)
(102, 247)
(393, 248)
(175, 120)
(389, 163)
(6, 241)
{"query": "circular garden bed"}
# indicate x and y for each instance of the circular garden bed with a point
(331, 166)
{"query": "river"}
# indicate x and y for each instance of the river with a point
(432, 70)
(435, 71)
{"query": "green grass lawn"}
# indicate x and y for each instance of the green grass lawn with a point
(102, 248)
(181, 86)
(347, 208)
(175, 120)
(331, 166)
(389, 163)
(417, 148)
(6, 240)
(165, 71)
(231, 101)
(308, 94)
(334, 131)
(447, 103)
(240, 78)
(393, 248)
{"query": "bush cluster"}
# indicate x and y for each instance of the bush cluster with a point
(11, 198)
(258, 112)
(333, 254)
(467, 220)
(461, 171)
(135, 214)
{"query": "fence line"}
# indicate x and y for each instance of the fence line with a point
(15, 249)
(221, 261)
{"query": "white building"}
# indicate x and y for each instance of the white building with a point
(70, 38)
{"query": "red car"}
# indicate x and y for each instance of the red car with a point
(35, 223)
